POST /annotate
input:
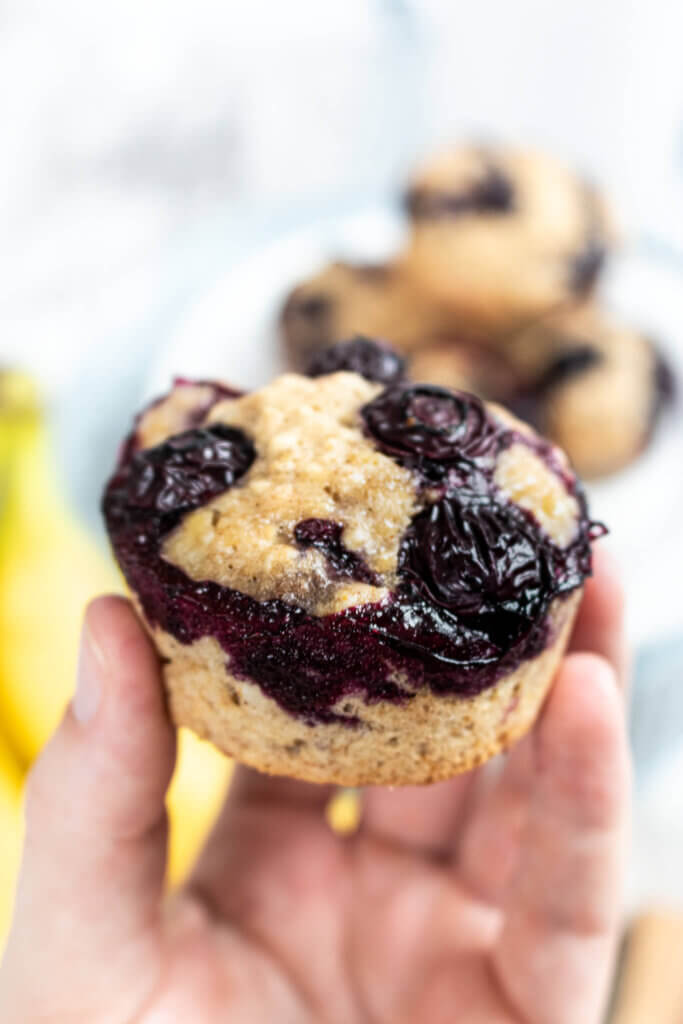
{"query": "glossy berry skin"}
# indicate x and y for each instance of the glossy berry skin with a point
(184, 472)
(488, 562)
(194, 416)
(326, 536)
(360, 355)
(431, 429)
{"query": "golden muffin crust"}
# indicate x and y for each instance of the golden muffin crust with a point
(314, 462)
(526, 252)
(345, 299)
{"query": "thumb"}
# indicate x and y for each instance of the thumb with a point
(90, 888)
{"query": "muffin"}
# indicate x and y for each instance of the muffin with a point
(344, 299)
(592, 385)
(455, 362)
(502, 235)
(350, 581)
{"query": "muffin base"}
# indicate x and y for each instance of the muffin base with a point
(426, 739)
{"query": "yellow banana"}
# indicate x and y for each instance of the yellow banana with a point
(194, 799)
(49, 569)
(343, 812)
(11, 833)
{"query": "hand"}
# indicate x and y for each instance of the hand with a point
(483, 899)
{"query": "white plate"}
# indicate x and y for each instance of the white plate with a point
(230, 333)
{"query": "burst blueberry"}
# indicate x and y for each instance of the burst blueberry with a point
(370, 359)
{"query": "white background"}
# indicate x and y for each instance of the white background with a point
(125, 125)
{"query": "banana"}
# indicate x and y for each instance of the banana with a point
(11, 833)
(193, 801)
(11, 775)
(49, 569)
(343, 811)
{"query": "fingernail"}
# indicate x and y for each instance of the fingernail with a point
(88, 678)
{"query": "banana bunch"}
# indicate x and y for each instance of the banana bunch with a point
(49, 569)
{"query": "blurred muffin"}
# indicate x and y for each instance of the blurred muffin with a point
(345, 299)
(501, 235)
(466, 366)
(590, 384)
(594, 386)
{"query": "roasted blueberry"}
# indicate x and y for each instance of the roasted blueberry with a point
(217, 392)
(432, 428)
(470, 553)
(665, 379)
(370, 359)
(489, 563)
(310, 307)
(182, 473)
(326, 536)
(572, 362)
(493, 193)
(586, 266)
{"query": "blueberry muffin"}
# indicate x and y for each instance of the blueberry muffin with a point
(465, 365)
(348, 580)
(501, 235)
(345, 299)
(592, 385)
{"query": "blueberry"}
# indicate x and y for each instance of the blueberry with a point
(489, 563)
(585, 267)
(432, 428)
(370, 359)
(193, 416)
(326, 536)
(470, 553)
(570, 363)
(492, 193)
(182, 473)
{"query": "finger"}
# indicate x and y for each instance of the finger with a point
(490, 845)
(421, 819)
(555, 951)
(488, 852)
(599, 626)
(274, 868)
(93, 866)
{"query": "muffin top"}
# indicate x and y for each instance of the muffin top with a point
(504, 232)
(343, 299)
(479, 187)
(338, 534)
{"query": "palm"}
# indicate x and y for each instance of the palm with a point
(482, 899)
(365, 929)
